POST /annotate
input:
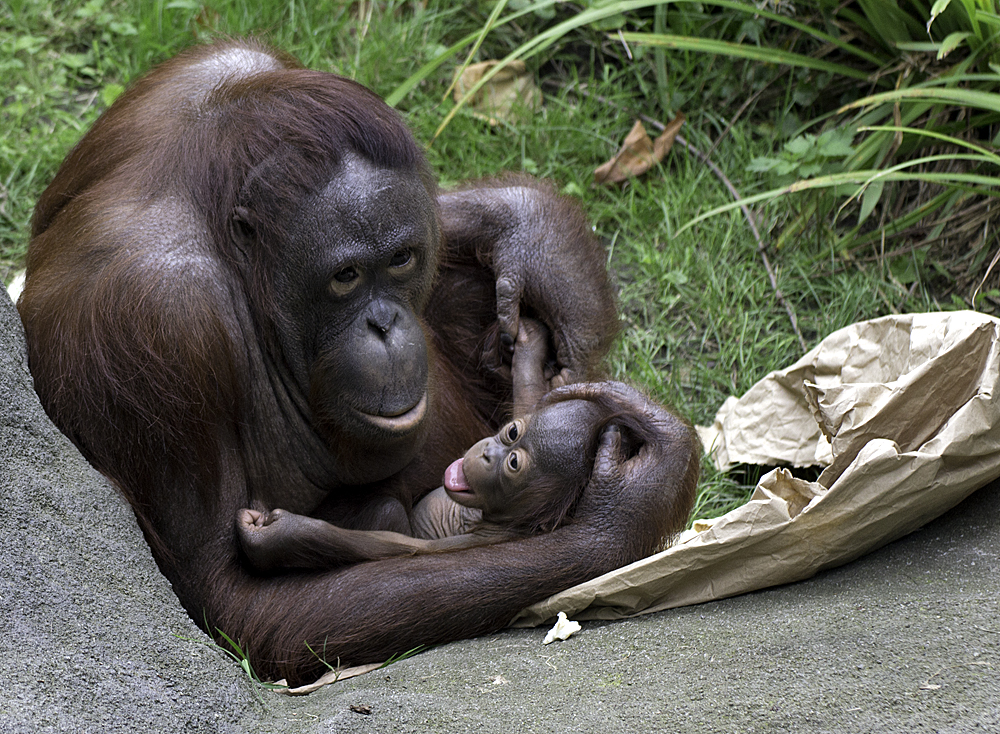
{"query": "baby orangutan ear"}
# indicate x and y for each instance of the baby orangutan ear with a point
(240, 227)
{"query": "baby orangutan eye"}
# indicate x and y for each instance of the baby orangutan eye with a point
(513, 463)
(511, 432)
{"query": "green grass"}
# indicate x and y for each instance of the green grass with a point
(702, 319)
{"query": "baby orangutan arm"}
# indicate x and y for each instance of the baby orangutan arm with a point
(278, 540)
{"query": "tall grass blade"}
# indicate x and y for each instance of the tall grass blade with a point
(744, 51)
(862, 178)
(959, 142)
(960, 97)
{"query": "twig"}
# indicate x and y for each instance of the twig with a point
(928, 686)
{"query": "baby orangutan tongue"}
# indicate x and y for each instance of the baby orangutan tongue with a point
(454, 477)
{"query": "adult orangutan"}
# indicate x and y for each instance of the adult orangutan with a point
(245, 291)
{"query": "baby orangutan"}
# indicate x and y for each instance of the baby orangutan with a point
(524, 480)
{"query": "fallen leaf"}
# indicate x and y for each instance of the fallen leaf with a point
(638, 153)
(510, 95)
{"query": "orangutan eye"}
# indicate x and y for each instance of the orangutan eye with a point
(513, 462)
(401, 259)
(347, 275)
(511, 432)
(344, 281)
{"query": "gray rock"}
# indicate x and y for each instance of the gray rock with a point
(904, 640)
(95, 640)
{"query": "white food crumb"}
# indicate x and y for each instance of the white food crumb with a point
(562, 629)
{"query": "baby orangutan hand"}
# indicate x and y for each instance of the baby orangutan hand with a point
(531, 351)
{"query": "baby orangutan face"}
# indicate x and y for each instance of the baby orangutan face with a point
(509, 476)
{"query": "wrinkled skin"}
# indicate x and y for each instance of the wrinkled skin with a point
(245, 291)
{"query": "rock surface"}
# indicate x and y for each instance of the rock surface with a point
(906, 639)
(94, 639)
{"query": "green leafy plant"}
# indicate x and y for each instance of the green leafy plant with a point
(853, 67)
(807, 155)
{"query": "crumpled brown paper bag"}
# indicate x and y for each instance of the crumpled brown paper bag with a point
(904, 413)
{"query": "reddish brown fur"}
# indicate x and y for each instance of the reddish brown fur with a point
(154, 344)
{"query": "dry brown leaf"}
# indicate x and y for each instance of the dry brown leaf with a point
(511, 95)
(638, 153)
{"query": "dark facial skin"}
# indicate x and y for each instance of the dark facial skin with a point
(495, 473)
(366, 248)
